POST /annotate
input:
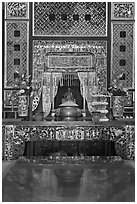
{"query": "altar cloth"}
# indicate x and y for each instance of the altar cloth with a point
(82, 180)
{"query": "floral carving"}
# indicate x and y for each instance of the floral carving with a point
(15, 136)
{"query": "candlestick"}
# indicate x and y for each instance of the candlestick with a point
(84, 95)
(51, 90)
(52, 93)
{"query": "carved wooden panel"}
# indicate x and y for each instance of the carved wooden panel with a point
(16, 10)
(122, 10)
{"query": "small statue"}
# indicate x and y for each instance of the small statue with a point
(68, 96)
(68, 110)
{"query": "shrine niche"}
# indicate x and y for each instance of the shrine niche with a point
(58, 65)
(69, 70)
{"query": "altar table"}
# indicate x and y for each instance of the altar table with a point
(15, 134)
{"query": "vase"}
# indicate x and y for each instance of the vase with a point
(118, 106)
(23, 106)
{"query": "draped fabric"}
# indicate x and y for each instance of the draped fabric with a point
(87, 80)
(50, 88)
(56, 77)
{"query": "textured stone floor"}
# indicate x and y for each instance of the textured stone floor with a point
(111, 182)
(6, 165)
(130, 163)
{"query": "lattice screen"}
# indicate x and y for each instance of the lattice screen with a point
(16, 51)
(123, 50)
(70, 18)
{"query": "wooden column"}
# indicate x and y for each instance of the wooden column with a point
(30, 57)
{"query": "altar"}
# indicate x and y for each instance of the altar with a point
(70, 110)
(69, 107)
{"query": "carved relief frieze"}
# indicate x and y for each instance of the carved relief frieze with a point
(16, 10)
(122, 10)
(14, 137)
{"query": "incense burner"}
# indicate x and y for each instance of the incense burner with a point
(68, 111)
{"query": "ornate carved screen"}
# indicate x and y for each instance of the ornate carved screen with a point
(70, 18)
